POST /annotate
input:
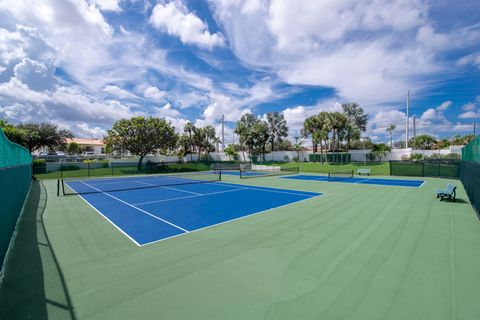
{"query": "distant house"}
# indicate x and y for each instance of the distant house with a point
(89, 146)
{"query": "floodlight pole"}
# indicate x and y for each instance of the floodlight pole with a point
(364, 154)
(406, 120)
(223, 132)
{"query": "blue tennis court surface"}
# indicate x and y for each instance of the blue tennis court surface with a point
(361, 180)
(150, 215)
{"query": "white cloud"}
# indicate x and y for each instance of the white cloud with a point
(83, 129)
(167, 110)
(154, 93)
(174, 18)
(471, 59)
(432, 114)
(468, 106)
(444, 106)
(108, 5)
(119, 92)
(35, 74)
(470, 115)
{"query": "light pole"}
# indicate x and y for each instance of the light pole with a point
(406, 120)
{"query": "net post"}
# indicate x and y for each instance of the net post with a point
(111, 165)
(63, 187)
(219, 175)
(58, 187)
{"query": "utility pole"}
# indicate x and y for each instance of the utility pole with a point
(414, 133)
(406, 120)
(223, 132)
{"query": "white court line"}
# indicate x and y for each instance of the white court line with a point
(285, 192)
(165, 187)
(186, 197)
(141, 210)
(239, 218)
(368, 179)
(111, 222)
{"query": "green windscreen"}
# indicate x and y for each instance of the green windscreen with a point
(471, 152)
(15, 179)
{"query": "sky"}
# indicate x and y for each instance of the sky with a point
(83, 64)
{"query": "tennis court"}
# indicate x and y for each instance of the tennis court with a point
(151, 208)
(361, 180)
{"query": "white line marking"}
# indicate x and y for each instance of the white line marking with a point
(360, 181)
(105, 217)
(141, 210)
(186, 197)
(165, 187)
(278, 191)
(242, 217)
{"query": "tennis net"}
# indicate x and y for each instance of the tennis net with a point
(87, 186)
(258, 171)
(340, 175)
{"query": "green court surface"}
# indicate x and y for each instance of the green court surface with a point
(357, 252)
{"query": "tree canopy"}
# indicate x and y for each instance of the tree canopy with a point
(35, 136)
(141, 136)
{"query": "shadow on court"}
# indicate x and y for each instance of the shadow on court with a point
(34, 286)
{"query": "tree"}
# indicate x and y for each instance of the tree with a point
(141, 136)
(336, 122)
(203, 139)
(188, 128)
(380, 150)
(357, 121)
(230, 152)
(184, 145)
(243, 129)
(311, 126)
(39, 135)
(424, 142)
(285, 145)
(73, 148)
(277, 127)
(298, 146)
(260, 136)
(12, 133)
(390, 130)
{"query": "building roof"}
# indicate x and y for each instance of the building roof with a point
(87, 141)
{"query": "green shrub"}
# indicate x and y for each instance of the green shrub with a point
(416, 157)
(70, 167)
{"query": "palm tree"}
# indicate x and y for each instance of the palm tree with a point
(356, 118)
(380, 150)
(188, 128)
(298, 146)
(311, 127)
(244, 130)
(277, 127)
(336, 121)
(390, 130)
(230, 152)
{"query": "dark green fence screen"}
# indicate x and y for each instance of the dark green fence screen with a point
(471, 152)
(15, 179)
(441, 169)
(470, 176)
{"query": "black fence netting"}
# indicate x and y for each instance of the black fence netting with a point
(470, 177)
(15, 179)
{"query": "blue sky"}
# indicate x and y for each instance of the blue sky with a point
(84, 64)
